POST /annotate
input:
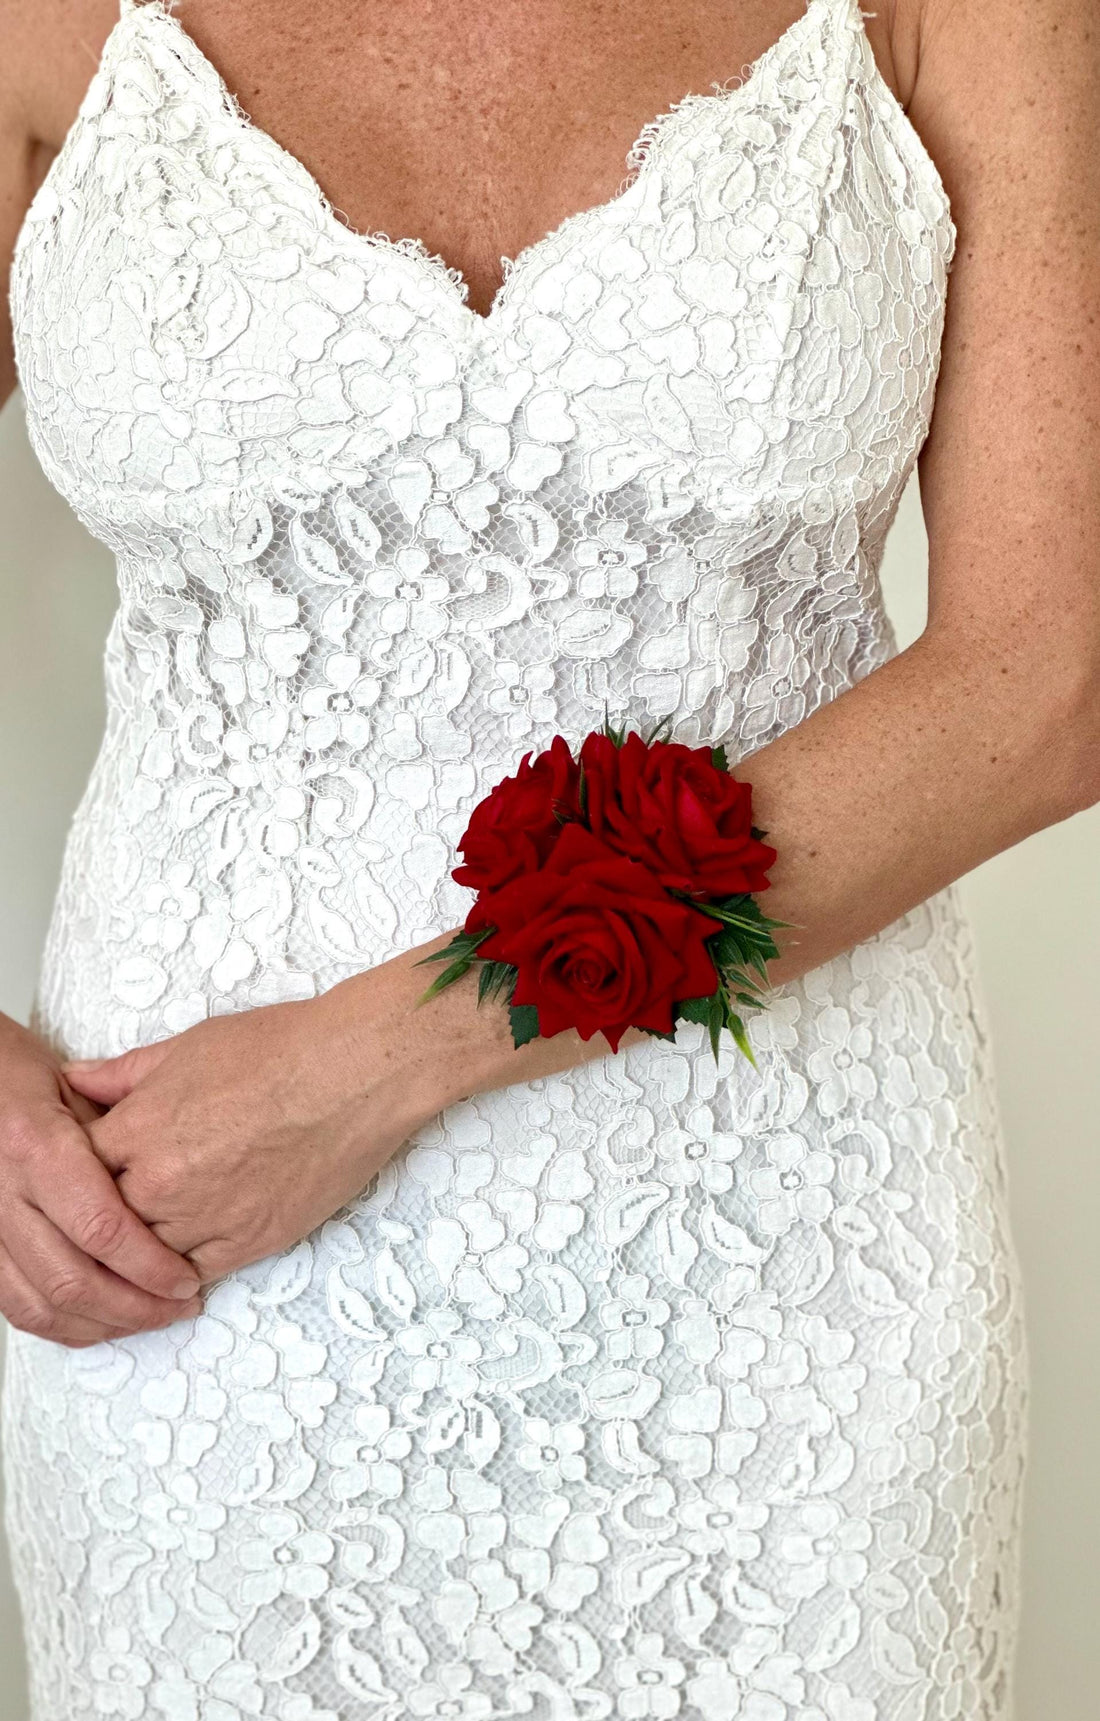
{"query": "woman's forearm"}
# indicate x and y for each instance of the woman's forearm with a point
(950, 753)
(946, 755)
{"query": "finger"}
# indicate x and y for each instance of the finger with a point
(84, 1110)
(72, 1284)
(29, 1311)
(77, 1192)
(26, 1309)
(108, 1080)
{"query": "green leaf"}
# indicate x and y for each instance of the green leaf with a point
(460, 955)
(728, 948)
(716, 1021)
(525, 1023)
(718, 757)
(731, 975)
(737, 1029)
(755, 926)
(715, 1012)
(662, 723)
(495, 980)
(454, 972)
(462, 944)
(747, 906)
(618, 736)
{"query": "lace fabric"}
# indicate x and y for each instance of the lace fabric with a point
(648, 1390)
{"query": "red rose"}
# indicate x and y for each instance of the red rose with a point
(599, 945)
(514, 828)
(671, 808)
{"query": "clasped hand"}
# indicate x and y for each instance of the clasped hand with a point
(236, 1138)
(126, 1184)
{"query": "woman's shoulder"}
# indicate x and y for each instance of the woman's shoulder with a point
(51, 50)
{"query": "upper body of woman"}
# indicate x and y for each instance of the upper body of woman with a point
(478, 130)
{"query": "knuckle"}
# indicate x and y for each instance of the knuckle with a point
(67, 1292)
(99, 1230)
(21, 1139)
(45, 1324)
(160, 1180)
(36, 1318)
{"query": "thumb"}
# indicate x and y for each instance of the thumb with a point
(84, 1110)
(108, 1080)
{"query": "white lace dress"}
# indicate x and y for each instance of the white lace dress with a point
(649, 1390)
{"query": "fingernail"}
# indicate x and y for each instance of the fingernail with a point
(185, 1288)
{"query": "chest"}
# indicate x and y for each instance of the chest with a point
(477, 128)
(755, 313)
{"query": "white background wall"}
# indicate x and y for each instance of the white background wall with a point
(1036, 914)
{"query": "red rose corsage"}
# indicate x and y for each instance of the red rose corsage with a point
(615, 890)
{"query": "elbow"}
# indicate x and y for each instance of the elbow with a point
(1042, 704)
(1071, 741)
(1084, 787)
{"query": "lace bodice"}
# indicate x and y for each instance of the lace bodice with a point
(654, 1389)
(372, 546)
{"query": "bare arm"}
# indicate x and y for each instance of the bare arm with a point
(987, 728)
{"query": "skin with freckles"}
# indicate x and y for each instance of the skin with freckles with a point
(523, 118)
(237, 1137)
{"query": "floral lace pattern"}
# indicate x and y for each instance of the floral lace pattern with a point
(653, 1389)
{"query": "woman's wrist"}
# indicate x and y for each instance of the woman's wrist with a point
(435, 1053)
(614, 896)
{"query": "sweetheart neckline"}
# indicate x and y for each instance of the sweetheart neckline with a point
(639, 157)
(643, 154)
